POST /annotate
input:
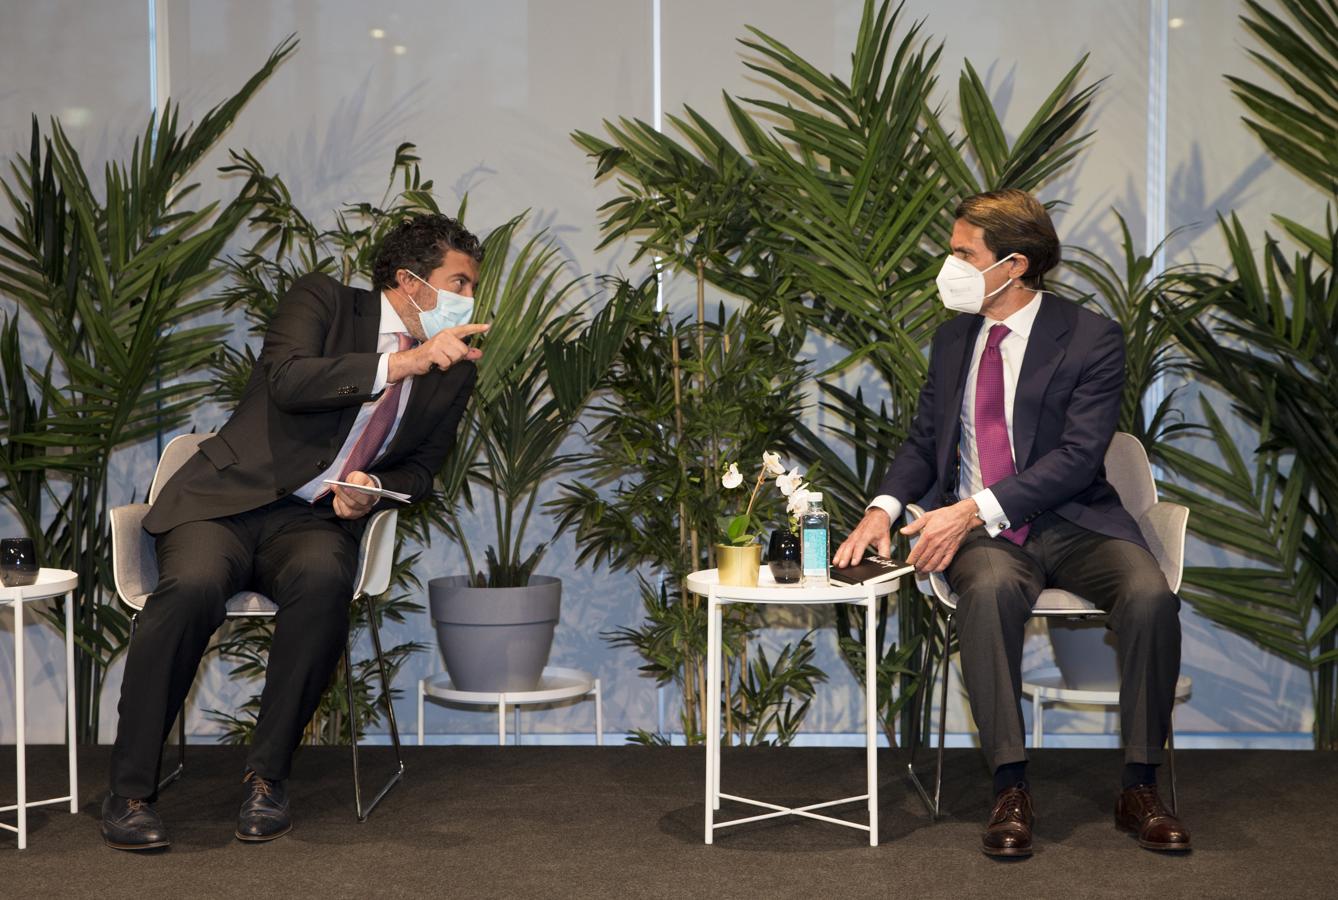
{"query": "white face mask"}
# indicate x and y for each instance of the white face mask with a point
(961, 285)
(452, 309)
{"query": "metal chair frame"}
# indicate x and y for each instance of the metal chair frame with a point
(373, 577)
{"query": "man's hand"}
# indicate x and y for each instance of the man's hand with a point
(941, 533)
(351, 504)
(874, 529)
(442, 350)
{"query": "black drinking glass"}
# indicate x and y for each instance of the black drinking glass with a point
(18, 562)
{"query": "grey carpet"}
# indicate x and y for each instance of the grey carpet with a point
(627, 822)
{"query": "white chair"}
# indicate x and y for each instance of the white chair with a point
(1163, 525)
(135, 571)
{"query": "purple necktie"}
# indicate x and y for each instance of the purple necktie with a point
(993, 449)
(378, 423)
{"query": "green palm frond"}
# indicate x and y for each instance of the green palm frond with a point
(1300, 127)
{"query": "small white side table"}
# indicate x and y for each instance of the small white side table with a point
(1046, 685)
(556, 683)
(50, 583)
(707, 582)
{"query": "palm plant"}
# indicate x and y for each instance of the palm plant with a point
(113, 281)
(833, 211)
(542, 364)
(650, 487)
(1146, 304)
(1269, 340)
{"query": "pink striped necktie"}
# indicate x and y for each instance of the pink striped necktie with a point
(378, 423)
(993, 449)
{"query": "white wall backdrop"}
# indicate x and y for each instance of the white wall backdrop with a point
(490, 93)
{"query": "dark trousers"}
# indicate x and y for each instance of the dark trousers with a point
(997, 583)
(303, 561)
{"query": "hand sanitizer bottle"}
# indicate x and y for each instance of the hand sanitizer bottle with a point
(814, 535)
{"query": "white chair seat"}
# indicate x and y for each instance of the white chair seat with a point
(249, 603)
(246, 603)
(1054, 602)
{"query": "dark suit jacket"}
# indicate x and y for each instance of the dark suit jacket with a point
(315, 370)
(1065, 411)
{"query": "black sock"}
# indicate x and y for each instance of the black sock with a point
(1138, 773)
(1010, 775)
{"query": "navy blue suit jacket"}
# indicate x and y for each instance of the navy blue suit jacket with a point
(1065, 411)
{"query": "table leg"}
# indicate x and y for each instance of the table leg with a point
(421, 704)
(720, 657)
(599, 716)
(20, 726)
(711, 714)
(515, 713)
(871, 714)
(69, 702)
(1037, 731)
(501, 720)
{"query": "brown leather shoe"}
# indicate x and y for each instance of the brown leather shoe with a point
(1140, 810)
(1009, 830)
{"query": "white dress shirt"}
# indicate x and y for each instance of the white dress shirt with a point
(387, 342)
(1012, 348)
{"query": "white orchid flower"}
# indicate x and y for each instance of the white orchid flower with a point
(798, 504)
(732, 477)
(789, 482)
(772, 463)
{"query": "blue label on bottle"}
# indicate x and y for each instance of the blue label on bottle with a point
(815, 551)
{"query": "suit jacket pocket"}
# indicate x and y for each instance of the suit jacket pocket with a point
(218, 452)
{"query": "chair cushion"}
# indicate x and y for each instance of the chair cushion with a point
(249, 603)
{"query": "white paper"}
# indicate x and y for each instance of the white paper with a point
(372, 489)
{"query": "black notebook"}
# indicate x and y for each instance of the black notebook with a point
(872, 570)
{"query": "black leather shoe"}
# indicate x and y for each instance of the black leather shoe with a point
(132, 825)
(264, 814)
(1009, 830)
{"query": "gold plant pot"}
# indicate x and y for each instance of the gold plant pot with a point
(739, 565)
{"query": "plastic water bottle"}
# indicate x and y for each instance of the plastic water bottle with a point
(814, 536)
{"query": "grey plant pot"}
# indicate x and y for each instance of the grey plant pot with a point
(495, 639)
(1085, 655)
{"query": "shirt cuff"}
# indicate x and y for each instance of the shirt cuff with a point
(888, 504)
(991, 512)
(382, 373)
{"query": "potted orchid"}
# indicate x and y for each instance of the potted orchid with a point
(783, 552)
(739, 555)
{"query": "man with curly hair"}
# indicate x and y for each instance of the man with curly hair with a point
(361, 386)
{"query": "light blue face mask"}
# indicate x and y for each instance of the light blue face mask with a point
(452, 309)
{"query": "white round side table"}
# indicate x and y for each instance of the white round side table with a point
(50, 583)
(707, 582)
(556, 683)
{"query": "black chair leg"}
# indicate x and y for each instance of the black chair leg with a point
(181, 752)
(1170, 765)
(363, 813)
(933, 805)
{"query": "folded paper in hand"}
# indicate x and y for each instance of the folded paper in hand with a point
(872, 570)
(372, 489)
